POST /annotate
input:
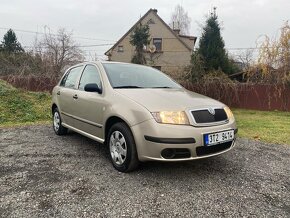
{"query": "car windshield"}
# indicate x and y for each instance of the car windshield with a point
(137, 76)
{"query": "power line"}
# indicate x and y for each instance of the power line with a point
(77, 37)
(83, 46)
(108, 40)
(251, 48)
(78, 46)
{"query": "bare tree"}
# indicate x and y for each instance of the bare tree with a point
(276, 52)
(59, 51)
(246, 59)
(273, 60)
(180, 20)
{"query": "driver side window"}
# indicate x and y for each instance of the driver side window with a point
(90, 75)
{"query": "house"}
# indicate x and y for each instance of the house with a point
(168, 50)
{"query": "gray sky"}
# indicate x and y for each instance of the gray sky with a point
(243, 21)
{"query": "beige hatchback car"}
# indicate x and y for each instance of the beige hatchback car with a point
(140, 114)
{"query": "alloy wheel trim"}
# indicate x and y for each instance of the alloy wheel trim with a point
(56, 121)
(118, 147)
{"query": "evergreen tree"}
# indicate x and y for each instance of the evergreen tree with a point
(212, 47)
(140, 38)
(10, 43)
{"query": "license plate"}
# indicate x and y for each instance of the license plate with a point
(218, 137)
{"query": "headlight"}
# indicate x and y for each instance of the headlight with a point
(229, 113)
(171, 117)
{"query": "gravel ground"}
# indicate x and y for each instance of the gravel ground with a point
(44, 175)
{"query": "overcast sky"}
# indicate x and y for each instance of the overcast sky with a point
(243, 21)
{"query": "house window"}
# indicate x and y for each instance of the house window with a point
(120, 48)
(158, 43)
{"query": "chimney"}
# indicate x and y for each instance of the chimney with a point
(177, 31)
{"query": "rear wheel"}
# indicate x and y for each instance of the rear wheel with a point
(122, 148)
(57, 123)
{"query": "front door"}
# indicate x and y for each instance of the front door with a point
(90, 105)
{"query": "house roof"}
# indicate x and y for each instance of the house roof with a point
(189, 37)
(162, 21)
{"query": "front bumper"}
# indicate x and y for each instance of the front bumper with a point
(153, 138)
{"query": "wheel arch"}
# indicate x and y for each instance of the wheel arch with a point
(110, 122)
(53, 106)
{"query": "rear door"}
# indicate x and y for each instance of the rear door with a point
(90, 105)
(66, 95)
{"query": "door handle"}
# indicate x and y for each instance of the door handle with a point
(58, 93)
(75, 96)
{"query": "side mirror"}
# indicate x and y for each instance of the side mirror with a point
(93, 87)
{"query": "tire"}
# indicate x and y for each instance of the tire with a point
(122, 148)
(57, 123)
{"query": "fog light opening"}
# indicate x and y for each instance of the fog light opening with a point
(168, 153)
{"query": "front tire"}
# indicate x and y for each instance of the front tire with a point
(57, 123)
(122, 148)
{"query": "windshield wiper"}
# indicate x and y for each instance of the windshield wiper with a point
(127, 87)
(161, 87)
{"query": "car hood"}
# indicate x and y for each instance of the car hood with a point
(168, 99)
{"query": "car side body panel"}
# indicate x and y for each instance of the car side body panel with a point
(90, 111)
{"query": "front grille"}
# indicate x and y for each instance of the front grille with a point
(204, 116)
(206, 150)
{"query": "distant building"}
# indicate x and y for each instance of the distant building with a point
(168, 50)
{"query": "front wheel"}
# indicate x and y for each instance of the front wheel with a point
(57, 123)
(122, 148)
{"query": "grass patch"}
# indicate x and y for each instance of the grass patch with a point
(22, 107)
(268, 126)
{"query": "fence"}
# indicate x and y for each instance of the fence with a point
(248, 96)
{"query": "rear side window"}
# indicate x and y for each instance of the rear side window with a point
(71, 77)
(90, 75)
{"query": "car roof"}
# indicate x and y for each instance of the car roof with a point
(107, 62)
